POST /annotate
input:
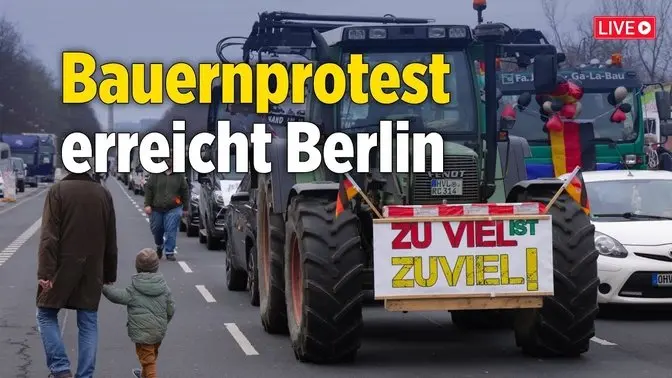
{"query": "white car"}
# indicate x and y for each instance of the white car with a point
(632, 214)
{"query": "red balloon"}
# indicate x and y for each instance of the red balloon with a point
(554, 124)
(568, 111)
(561, 89)
(574, 90)
(618, 116)
(508, 112)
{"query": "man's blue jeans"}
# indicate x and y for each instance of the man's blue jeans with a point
(165, 223)
(87, 346)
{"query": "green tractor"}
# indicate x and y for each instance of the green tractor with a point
(316, 270)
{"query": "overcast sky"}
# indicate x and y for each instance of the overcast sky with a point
(169, 30)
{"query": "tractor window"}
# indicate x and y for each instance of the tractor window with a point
(457, 117)
(595, 109)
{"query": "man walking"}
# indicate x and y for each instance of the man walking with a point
(77, 255)
(166, 201)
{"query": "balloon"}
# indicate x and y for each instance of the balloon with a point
(561, 89)
(569, 111)
(575, 91)
(524, 100)
(620, 94)
(554, 124)
(618, 116)
(508, 112)
(548, 107)
(557, 104)
(625, 107)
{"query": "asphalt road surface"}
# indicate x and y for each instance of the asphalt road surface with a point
(216, 334)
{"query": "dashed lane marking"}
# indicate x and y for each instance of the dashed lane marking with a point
(206, 294)
(185, 267)
(14, 246)
(602, 341)
(240, 338)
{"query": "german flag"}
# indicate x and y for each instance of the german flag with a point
(577, 190)
(346, 192)
(573, 146)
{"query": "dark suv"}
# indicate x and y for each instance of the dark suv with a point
(241, 251)
(216, 191)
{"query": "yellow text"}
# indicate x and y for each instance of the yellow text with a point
(469, 270)
(183, 84)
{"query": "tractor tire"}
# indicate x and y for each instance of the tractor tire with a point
(192, 231)
(482, 319)
(565, 323)
(252, 277)
(324, 263)
(270, 258)
(201, 238)
(236, 279)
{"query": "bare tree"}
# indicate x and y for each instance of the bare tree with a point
(651, 59)
(30, 100)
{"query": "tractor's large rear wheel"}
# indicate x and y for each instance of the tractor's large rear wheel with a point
(270, 259)
(566, 322)
(323, 270)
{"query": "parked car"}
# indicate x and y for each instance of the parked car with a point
(215, 194)
(138, 180)
(2, 187)
(190, 222)
(632, 214)
(241, 251)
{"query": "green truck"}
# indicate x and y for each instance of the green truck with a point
(616, 144)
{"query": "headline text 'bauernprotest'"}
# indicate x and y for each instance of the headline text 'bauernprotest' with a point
(306, 150)
(184, 84)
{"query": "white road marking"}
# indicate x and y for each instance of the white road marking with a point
(185, 267)
(602, 341)
(206, 294)
(18, 242)
(242, 341)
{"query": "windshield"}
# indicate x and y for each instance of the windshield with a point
(594, 108)
(644, 197)
(17, 164)
(456, 117)
(28, 158)
(47, 148)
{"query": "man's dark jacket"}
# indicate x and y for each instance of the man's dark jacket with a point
(78, 244)
(165, 192)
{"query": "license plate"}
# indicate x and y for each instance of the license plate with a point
(446, 187)
(662, 279)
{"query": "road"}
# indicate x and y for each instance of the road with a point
(216, 334)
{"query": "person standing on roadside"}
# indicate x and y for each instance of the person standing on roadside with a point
(166, 201)
(77, 255)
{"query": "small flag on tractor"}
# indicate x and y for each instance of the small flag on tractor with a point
(346, 192)
(577, 190)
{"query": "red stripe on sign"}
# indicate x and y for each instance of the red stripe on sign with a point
(400, 211)
(446, 211)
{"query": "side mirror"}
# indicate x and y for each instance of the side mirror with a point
(545, 73)
(240, 197)
(322, 51)
(666, 130)
(663, 105)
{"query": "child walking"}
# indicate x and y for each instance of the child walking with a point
(150, 308)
